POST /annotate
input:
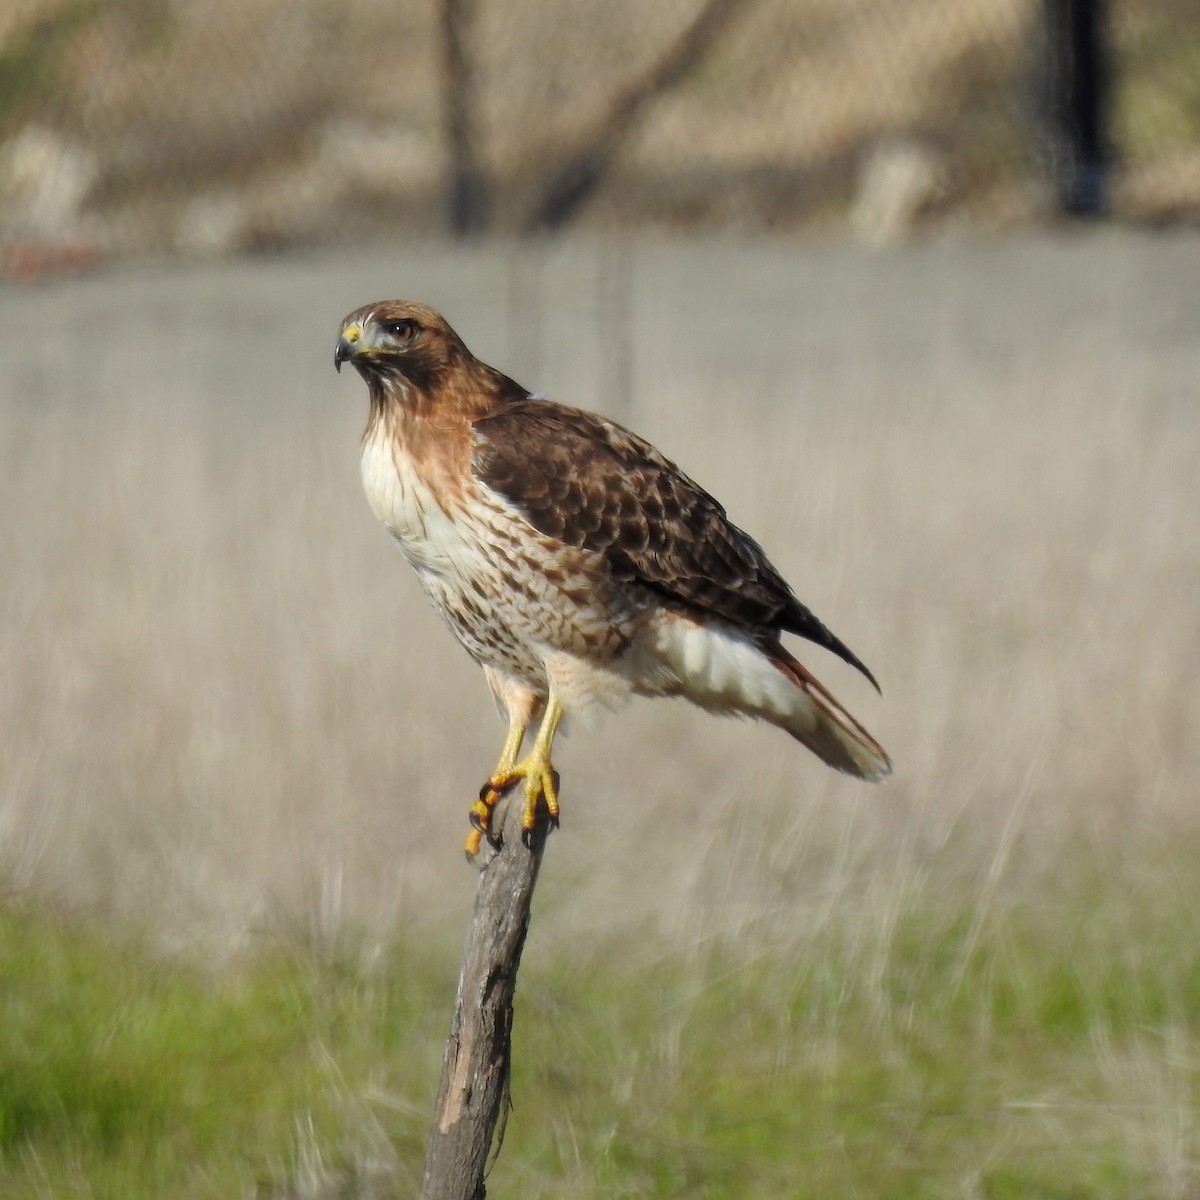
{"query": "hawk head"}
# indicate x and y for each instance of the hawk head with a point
(412, 359)
(399, 343)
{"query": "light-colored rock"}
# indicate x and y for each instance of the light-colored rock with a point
(899, 181)
(44, 182)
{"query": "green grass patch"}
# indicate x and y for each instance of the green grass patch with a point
(1032, 1054)
(126, 1075)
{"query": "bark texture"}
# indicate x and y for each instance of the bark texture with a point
(473, 1094)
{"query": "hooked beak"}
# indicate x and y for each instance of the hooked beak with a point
(348, 345)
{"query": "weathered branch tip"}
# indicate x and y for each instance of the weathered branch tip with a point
(473, 1093)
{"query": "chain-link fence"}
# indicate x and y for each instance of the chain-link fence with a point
(158, 127)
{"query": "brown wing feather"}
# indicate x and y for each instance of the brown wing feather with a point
(591, 483)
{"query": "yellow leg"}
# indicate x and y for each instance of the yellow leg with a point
(535, 768)
(539, 771)
(512, 747)
(481, 811)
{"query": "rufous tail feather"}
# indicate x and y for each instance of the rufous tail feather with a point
(825, 727)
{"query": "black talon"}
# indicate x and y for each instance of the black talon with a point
(485, 791)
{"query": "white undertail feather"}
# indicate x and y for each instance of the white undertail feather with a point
(727, 671)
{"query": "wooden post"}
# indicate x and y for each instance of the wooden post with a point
(475, 1070)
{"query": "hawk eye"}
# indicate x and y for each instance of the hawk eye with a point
(402, 331)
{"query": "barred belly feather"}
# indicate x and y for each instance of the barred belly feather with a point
(521, 604)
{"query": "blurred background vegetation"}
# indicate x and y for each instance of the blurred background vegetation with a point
(152, 127)
(236, 749)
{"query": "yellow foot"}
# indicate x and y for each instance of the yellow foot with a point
(480, 816)
(541, 782)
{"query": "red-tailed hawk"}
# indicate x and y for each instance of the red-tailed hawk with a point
(575, 563)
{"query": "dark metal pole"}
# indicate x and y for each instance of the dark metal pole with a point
(1073, 103)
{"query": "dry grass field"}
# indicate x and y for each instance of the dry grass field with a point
(237, 748)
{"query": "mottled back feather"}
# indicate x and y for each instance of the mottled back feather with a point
(590, 483)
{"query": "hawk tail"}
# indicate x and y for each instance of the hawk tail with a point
(817, 720)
